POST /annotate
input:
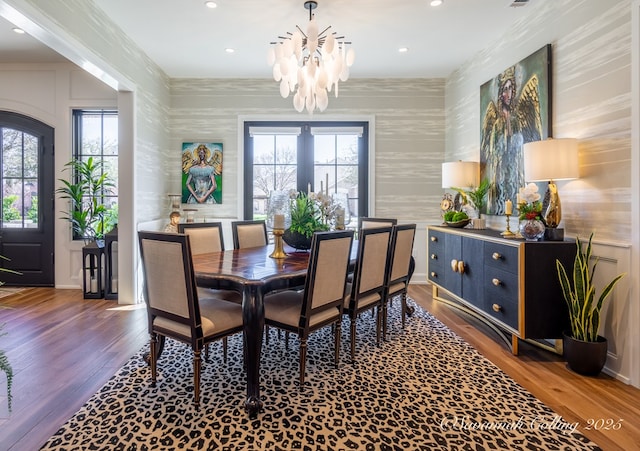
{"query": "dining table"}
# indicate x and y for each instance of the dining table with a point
(252, 272)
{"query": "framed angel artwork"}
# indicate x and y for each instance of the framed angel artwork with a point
(201, 173)
(515, 108)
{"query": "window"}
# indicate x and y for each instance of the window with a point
(95, 134)
(328, 156)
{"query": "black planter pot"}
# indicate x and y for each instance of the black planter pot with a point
(585, 357)
(296, 240)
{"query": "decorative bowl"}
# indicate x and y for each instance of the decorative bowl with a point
(458, 224)
(296, 240)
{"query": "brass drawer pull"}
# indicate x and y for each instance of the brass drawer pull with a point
(496, 256)
(434, 238)
(433, 274)
(454, 265)
(496, 282)
(461, 267)
(496, 308)
(434, 256)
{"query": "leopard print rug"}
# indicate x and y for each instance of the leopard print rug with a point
(424, 389)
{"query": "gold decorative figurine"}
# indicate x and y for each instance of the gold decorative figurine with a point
(174, 220)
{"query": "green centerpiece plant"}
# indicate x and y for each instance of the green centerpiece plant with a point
(308, 215)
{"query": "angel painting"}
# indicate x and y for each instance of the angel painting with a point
(515, 110)
(200, 166)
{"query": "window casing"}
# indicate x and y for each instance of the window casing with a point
(95, 134)
(306, 156)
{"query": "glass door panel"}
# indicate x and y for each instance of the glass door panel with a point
(19, 179)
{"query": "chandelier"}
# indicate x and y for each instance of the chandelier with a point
(310, 64)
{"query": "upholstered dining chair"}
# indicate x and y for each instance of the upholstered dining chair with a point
(249, 234)
(400, 270)
(367, 290)
(206, 237)
(319, 304)
(367, 223)
(173, 307)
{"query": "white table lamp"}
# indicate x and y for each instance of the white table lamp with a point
(551, 160)
(460, 174)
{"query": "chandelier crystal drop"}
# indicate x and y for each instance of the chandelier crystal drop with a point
(310, 64)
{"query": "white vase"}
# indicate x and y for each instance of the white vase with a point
(479, 223)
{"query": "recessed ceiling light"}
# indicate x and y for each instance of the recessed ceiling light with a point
(436, 2)
(211, 4)
(18, 30)
(230, 50)
(403, 49)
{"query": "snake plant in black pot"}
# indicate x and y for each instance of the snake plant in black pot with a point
(584, 350)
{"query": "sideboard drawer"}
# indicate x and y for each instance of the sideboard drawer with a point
(436, 273)
(501, 256)
(436, 242)
(499, 283)
(501, 295)
(435, 256)
(503, 309)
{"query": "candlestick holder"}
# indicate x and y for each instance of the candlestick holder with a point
(278, 251)
(508, 233)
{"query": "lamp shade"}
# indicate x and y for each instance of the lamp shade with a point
(551, 159)
(460, 174)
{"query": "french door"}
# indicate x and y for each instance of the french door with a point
(332, 157)
(27, 221)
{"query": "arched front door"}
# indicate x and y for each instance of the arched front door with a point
(27, 221)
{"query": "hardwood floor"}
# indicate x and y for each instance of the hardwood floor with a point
(585, 400)
(64, 348)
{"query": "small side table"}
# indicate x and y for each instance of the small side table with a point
(92, 262)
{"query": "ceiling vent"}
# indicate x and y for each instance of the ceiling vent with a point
(517, 3)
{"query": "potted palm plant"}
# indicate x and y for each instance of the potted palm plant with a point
(584, 350)
(477, 197)
(85, 190)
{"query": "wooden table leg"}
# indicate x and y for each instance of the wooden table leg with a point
(253, 317)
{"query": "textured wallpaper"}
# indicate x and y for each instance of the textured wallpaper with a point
(408, 133)
(591, 101)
